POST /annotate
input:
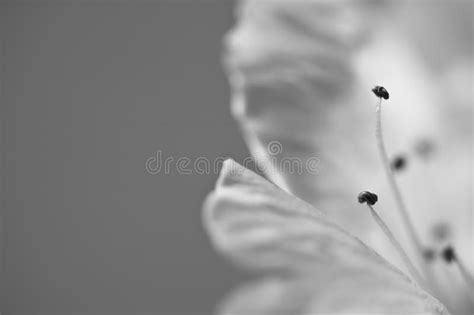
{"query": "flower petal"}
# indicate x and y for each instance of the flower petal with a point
(261, 227)
(291, 70)
(301, 74)
(353, 293)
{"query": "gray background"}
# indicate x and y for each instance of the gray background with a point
(90, 90)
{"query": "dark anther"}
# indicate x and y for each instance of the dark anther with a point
(367, 196)
(380, 91)
(398, 163)
(429, 254)
(448, 254)
(441, 231)
(424, 148)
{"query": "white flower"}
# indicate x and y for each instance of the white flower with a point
(301, 74)
(312, 266)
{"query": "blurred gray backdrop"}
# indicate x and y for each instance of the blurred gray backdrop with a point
(90, 90)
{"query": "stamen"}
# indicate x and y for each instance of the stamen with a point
(429, 254)
(393, 185)
(441, 232)
(398, 163)
(449, 255)
(370, 202)
(368, 197)
(380, 92)
(424, 148)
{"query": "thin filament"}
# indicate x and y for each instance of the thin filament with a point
(411, 267)
(391, 179)
(465, 273)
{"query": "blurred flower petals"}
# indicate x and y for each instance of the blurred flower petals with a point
(315, 266)
(347, 292)
(291, 70)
